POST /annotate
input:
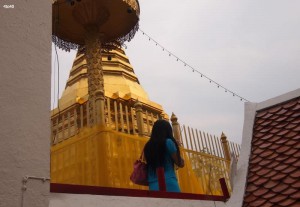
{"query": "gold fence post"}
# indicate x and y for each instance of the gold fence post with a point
(176, 129)
(100, 104)
(225, 145)
(139, 117)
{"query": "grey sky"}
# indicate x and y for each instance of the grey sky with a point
(251, 47)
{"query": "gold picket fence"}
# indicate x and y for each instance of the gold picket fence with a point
(103, 157)
(199, 141)
(88, 155)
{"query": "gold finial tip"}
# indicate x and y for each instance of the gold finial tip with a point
(173, 117)
(80, 100)
(223, 136)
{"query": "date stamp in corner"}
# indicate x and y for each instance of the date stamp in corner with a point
(8, 6)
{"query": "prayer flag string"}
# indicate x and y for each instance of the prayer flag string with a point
(194, 69)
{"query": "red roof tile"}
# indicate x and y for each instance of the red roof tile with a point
(289, 180)
(279, 142)
(274, 163)
(252, 179)
(295, 174)
(259, 202)
(252, 188)
(297, 128)
(296, 121)
(290, 169)
(275, 109)
(297, 163)
(277, 198)
(274, 117)
(295, 115)
(281, 167)
(282, 149)
(282, 157)
(261, 114)
(264, 172)
(256, 160)
(274, 155)
(265, 162)
(281, 118)
(274, 138)
(291, 151)
(269, 195)
(274, 146)
(279, 176)
(289, 191)
(260, 181)
(264, 145)
(270, 184)
(282, 112)
(251, 198)
(267, 137)
(292, 142)
(258, 151)
(279, 188)
(296, 195)
(296, 184)
(256, 168)
(291, 134)
(289, 202)
(291, 126)
(283, 124)
(290, 104)
(266, 153)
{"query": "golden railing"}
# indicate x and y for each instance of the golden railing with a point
(208, 170)
(102, 157)
(85, 154)
(200, 141)
(126, 117)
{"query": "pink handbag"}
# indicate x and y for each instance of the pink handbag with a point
(139, 175)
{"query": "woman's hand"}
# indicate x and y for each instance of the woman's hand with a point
(179, 163)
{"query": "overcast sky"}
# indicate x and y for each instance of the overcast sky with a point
(251, 47)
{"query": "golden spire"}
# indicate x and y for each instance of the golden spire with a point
(120, 81)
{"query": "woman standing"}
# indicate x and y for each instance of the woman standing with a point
(162, 151)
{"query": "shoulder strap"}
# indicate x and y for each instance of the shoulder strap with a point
(142, 156)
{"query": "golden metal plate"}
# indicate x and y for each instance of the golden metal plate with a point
(115, 19)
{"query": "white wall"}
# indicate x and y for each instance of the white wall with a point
(73, 200)
(237, 196)
(25, 51)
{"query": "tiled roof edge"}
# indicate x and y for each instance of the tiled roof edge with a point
(278, 100)
(250, 110)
